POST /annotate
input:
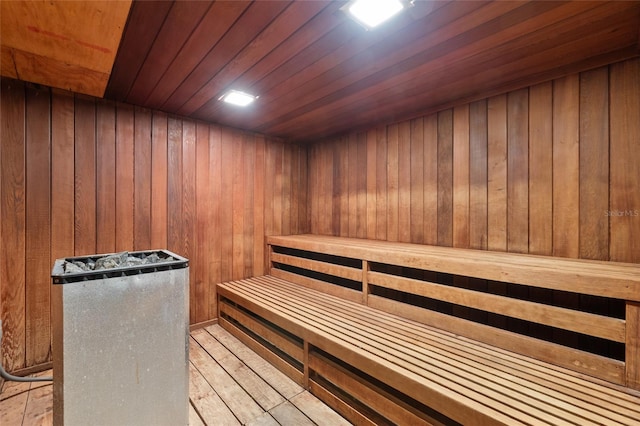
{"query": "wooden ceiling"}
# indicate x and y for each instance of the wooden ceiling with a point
(316, 71)
(69, 45)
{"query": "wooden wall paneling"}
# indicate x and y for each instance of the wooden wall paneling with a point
(417, 163)
(594, 164)
(566, 174)
(518, 171)
(13, 226)
(497, 186)
(445, 178)
(328, 210)
(259, 247)
(159, 172)
(478, 175)
(85, 175)
(404, 181)
(189, 197)
(304, 212)
(105, 177)
(142, 179)
(249, 164)
(337, 193)
(381, 183)
(430, 176)
(540, 169)
(38, 225)
(226, 206)
(371, 189)
(269, 190)
(497, 173)
(624, 198)
(461, 176)
(361, 185)
(203, 227)
(189, 206)
(294, 209)
(341, 186)
(392, 182)
(62, 175)
(286, 188)
(237, 204)
(278, 148)
(174, 186)
(215, 213)
(125, 177)
(540, 182)
(352, 182)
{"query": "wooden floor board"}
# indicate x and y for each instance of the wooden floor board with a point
(222, 372)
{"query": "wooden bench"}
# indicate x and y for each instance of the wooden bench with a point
(409, 334)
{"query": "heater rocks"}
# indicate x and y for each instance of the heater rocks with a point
(117, 260)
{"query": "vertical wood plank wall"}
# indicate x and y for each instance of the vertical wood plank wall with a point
(551, 169)
(82, 176)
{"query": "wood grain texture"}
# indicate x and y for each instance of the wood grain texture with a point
(566, 173)
(594, 164)
(159, 180)
(478, 187)
(124, 177)
(85, 176)
(38, 225)
(497, 173)
(624, 198)
(445, 178)
(461, 149)
(540, 169)
(518, 171)
(142, 180)
(13, 224)
(105, 177)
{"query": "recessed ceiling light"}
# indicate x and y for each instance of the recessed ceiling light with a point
(372, 13)
(236, 97)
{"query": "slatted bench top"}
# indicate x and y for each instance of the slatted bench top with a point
(466, 380)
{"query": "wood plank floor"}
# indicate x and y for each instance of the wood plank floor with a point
(229, 385)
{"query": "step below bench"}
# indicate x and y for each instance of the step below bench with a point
(409, 334)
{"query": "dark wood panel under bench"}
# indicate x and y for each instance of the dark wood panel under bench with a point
(404, 333)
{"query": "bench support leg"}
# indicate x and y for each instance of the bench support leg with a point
(365, 282)
(305, 362)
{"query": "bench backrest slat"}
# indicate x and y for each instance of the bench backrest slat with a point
(482, 295)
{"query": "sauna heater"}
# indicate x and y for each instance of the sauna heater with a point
(120, 339)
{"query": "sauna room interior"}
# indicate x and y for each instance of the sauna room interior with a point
(433, 220)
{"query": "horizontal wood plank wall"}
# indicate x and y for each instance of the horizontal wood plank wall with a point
(140, 180)
(550, 169)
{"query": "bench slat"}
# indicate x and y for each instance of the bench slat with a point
(580, 322)
(596, 278)
(345, 293)
(318, 266)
